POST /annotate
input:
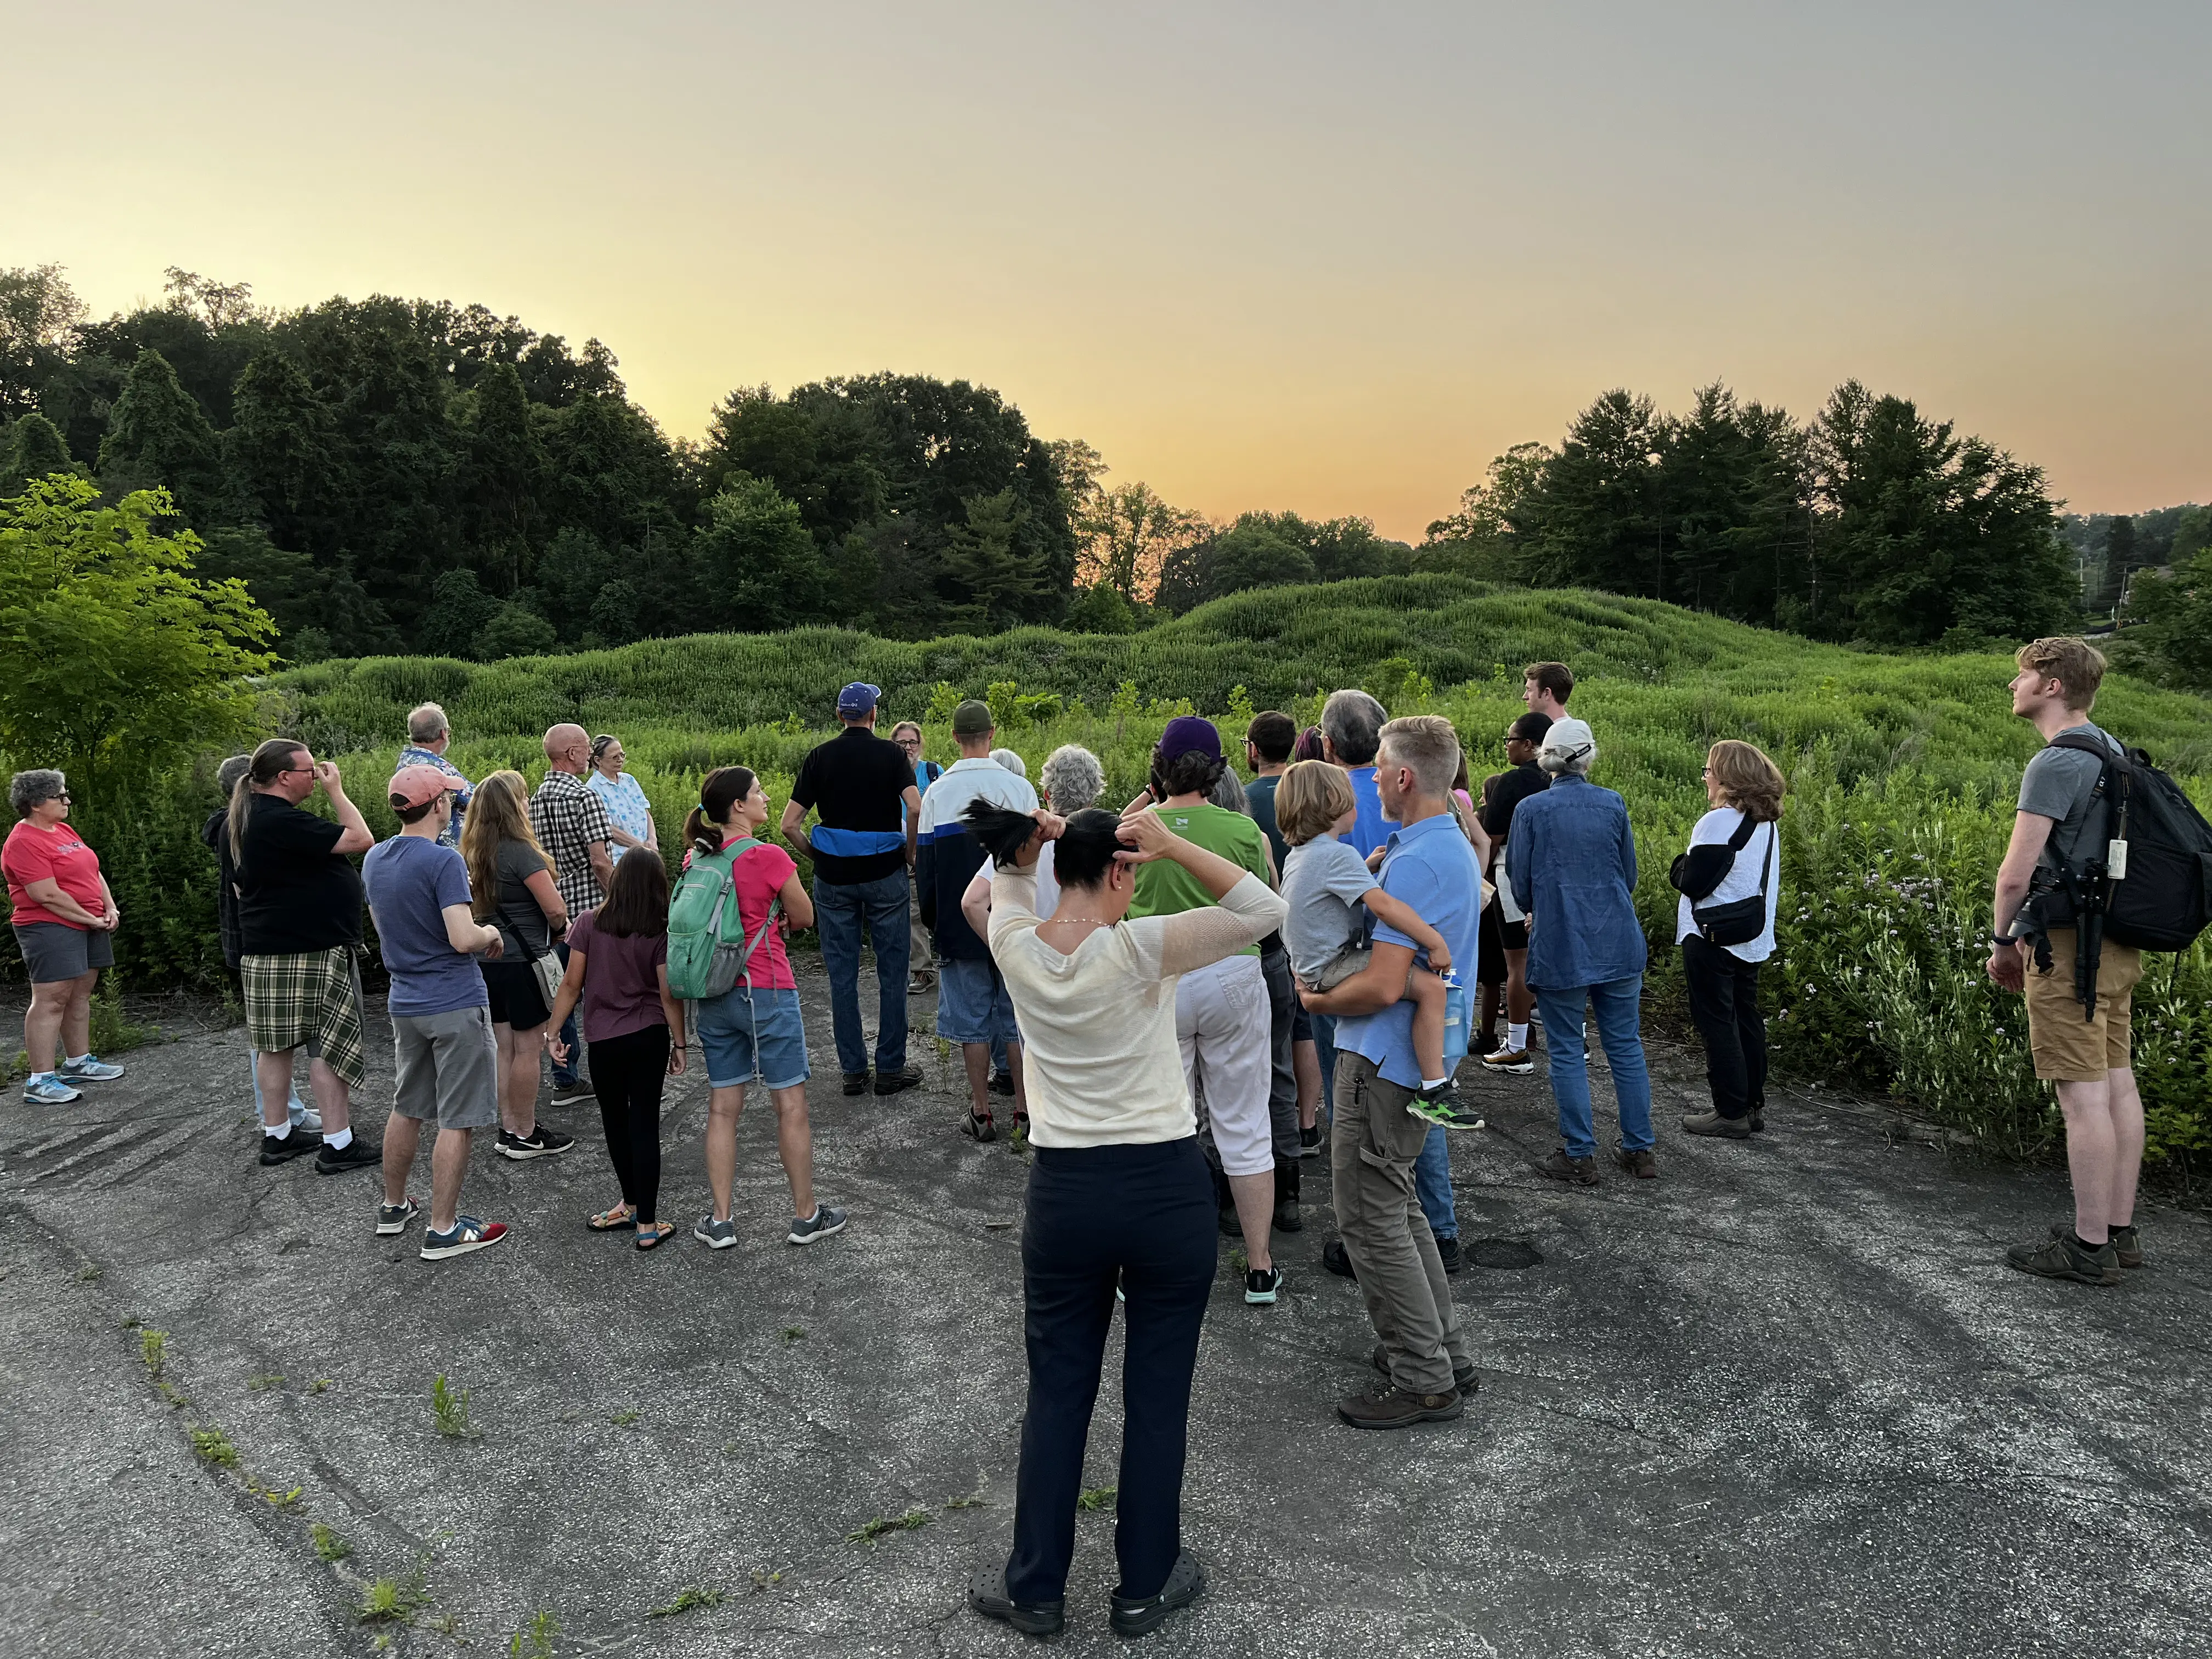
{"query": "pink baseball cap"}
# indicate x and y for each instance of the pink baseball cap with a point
(418, 786)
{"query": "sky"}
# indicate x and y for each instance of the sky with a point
(1324, 258)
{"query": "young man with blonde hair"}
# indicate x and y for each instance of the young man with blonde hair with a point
(2062, 823)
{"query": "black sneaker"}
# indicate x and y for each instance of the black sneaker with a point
(2127, 1242)
(355, 1154)
(1309, 1142)
(979, 1128)
(908, 1076)
(1002, 1083)
(1448, 1251)
(856, 1083)
(541, 1142)
(1261, 1284)
(987, 1594)
(1338, 1260)
(394, 1217)
(2066, 1257)
(1133, 1616)
(575, 1092)
(1464, 1377)
(298, 1143)
(1486, 1042)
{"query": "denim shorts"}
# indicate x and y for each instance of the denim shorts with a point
(972, 1004)
(750, 1037)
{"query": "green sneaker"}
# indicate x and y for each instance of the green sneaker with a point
(1441, 1107)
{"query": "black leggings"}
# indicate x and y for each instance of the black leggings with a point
(1724, 1005)
(627, 1074)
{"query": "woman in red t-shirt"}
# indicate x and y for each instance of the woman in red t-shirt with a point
(66, 920)
(754, 1031)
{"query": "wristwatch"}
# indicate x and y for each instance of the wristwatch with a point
(2000, 941)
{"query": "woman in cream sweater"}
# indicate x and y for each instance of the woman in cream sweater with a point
(1119, 1189)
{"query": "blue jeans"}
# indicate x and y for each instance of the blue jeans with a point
(1431, 1170)
(841, 915)
(563, 1076)
(1324, 1037)
(1616, 1006)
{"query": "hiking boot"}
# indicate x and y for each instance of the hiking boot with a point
(908, 1076)
(1465, 1378)
(355, 1154)
(1712, 1123)
(1759, 1120)
(298, 1143)
(978, 1127)
(1002, 1083)
(2067, 1257)
(856, 1083)
(1287, 1218)
(826, 1219)
(1449, 1252)
(1518, 1061)
(1309, 1142)
(1338, 1260)
(2127, 1242)
(1396, 1408)
(987, 1594)
(540, 1142)
(1231, 1222)
(1582, 1171)
(1141, 1615)
(1639, 1163)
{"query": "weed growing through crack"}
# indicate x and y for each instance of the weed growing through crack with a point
(973, 1501)
(152, 1348)
(283, 1500)
(262, 1384)
(393, 1600)
(623, 1419)
(319, 1385)
(535, 1639)
(765, 1580)
(1240, 1261)
(130, 1321)
(91, 1275)
(213, 1447)
(911, 1520)
(329, 1546)
(1097, 1498)
(450, 1408)
(792, 1333)
(686, 1600)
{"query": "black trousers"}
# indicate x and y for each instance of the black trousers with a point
(628, 1072)
(1724, 1005)
(1146, 1212)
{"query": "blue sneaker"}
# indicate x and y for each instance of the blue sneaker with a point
(89, 1068)
(50, 1090)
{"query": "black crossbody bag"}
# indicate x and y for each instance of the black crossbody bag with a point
(1702, 869)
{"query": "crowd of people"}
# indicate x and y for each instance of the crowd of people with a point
(1181, 998)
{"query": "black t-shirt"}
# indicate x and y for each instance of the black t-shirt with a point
(1512, 788)
(294, 894)
(216, 832)
(857, 783)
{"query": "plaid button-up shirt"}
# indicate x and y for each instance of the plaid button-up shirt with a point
(568, 820)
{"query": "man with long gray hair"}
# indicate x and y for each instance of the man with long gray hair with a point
(428, 736)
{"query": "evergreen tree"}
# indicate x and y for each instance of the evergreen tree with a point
(33, 450)
(157, 437)
(990, 577)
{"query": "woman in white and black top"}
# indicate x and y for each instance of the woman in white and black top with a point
(1119, 1190)
(1723, 979)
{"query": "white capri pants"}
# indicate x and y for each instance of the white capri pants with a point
(1222, 1027)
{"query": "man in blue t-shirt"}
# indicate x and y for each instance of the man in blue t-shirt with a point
(1375, 1142)
(442, 1040)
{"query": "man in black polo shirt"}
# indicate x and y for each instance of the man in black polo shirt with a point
(862, 790)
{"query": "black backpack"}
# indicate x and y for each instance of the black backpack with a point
(2159, 897)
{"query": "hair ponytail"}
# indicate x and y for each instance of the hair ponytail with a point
(271, 762)
(720, 790)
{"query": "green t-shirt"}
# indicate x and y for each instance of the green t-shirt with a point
(1164, 888)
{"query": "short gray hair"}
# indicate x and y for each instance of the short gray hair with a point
(1228, 792)
(1352, 723)
(1073, 777)
(1012, 761)
(426, 723)
(27, 789)
(228, 774)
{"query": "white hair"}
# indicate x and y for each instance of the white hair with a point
(1012, 761)
(1568, 748)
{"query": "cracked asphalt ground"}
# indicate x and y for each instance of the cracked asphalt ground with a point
(1785, 1398)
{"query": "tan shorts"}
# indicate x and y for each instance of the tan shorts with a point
(2068, 1048)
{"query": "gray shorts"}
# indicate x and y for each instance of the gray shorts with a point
(53, 952)
(448, 1068)
(1352, 959)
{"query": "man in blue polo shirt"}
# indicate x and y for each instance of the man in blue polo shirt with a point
(862, 790)
(1375, 1142)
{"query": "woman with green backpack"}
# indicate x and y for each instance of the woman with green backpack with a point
(734, 891)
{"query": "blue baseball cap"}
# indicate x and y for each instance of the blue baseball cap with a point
(858, 698)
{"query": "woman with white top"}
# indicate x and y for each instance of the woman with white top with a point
(1743, 784)
(630, 814)
(1119, 1189)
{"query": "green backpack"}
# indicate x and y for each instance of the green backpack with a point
(703, 960)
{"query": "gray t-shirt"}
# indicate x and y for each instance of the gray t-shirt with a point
(2060, 784)
(1322, 881)
(519, 909)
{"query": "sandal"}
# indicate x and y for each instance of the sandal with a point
(607, 1220)
(652, 1241)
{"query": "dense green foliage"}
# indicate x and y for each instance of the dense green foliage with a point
(1873, 522)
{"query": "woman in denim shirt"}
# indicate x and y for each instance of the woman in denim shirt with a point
(1572, 859)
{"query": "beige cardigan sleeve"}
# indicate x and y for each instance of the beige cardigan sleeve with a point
(1195, 938)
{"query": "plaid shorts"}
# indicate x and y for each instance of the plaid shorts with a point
(313, 998)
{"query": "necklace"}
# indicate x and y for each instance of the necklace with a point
(1093, 920)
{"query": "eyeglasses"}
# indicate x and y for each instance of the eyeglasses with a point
(63, 798)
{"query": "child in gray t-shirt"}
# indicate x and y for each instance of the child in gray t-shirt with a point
(1332, 896)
